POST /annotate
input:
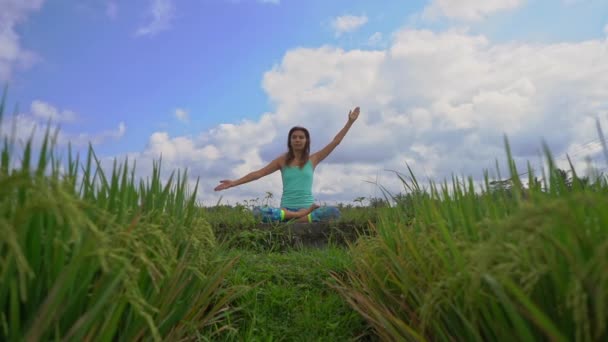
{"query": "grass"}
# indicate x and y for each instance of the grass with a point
(88, 255)
(85, 255)
(523, 263)
(290, 298)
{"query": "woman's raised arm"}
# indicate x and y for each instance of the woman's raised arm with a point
(318, 157)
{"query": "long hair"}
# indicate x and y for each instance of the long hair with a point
(290, 155)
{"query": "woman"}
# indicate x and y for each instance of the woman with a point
(297, 167)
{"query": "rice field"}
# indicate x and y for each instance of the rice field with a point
(93, 256)
(516, 264)
(89, 255)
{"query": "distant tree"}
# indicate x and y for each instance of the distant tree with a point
(268, 197)
(562, 177)
(501, 187)
(405, 202)
(377, 202)
(359, 200)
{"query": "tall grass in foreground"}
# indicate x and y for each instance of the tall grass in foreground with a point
(90, 256)
(523, 264)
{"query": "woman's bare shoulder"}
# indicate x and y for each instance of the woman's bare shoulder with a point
(282, 160)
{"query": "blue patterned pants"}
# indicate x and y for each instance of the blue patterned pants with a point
(321, 214)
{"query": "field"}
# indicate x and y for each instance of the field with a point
(93, 255)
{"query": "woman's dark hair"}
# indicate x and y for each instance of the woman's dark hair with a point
(290, 154)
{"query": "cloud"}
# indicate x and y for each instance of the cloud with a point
(347, 23)
(33, 124)
(222, 152)
(162, 13)
(438, 101)
(182, 115)
(179, 149)
(468, 10)
(45, 111)
(12, 13)
(275, 2)
(84, 139)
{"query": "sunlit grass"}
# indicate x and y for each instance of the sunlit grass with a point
(515, 264)
(85, 255)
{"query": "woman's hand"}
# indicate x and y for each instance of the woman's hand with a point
(353, 114)
(224, 184)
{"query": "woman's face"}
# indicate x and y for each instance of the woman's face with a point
(298, 140)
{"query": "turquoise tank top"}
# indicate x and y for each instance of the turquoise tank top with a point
(297, 186)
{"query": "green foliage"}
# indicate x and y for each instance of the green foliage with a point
(89, 255)
(275, 239)
(225, 220)
(289, 298)
(523, 264)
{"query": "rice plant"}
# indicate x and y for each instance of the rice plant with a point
(87, 255)
(518, 263)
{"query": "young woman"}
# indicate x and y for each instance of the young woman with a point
(297, 167)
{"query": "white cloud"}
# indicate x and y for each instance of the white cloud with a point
(179, 149)
(162, 13)
(45, 111)
(34, 124)
(347, 23)
(12, 13)
(468, 10)
(439, 102)
(182, 115)
(83, 139)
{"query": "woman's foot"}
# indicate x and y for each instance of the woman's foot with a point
(302, 213)
(313, 207)
(306, 212)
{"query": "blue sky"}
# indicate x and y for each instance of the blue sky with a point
(122, 74)
(209, 58)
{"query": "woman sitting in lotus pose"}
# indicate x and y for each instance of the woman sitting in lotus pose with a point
(297, 167)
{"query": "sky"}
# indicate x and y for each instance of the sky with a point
(213, 86)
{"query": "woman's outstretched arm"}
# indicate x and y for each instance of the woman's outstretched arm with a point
(317, 157)
(268, 169)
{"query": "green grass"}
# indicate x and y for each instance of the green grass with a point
(523, 263)
(86, 254)
(290, 299)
